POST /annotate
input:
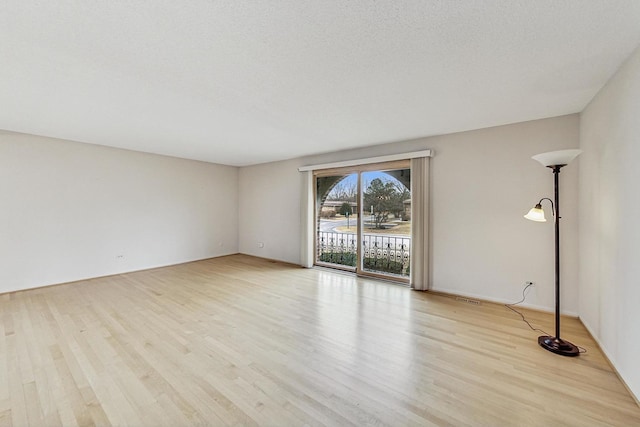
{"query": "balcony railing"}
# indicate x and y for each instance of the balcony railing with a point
(381, 253)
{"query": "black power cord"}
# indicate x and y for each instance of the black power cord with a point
(524, 296)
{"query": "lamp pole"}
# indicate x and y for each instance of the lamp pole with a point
(556, 172)
(556, 344)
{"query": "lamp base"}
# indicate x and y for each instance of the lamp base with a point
(558, 346)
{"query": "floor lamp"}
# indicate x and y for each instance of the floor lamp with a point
(554, 160)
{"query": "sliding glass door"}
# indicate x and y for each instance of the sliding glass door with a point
(363, 219)
(386, 222)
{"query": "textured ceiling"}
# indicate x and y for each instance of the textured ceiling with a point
(247, 81)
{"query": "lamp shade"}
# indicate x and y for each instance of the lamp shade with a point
(536, 214)
(557, 158)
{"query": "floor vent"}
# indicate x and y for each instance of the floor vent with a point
(468, 301)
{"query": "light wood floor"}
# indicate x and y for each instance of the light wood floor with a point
(243, 341)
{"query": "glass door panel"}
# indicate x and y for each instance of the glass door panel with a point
(336, 221)
(386, 222)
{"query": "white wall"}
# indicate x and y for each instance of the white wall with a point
(68, 210)
(482, 182)
(270, 210)
(609, 228)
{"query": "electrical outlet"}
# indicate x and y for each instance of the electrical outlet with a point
(261, 244)
(528, 283)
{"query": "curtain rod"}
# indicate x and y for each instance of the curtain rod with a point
(379, 159)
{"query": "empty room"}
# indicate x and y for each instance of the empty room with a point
(329, 213)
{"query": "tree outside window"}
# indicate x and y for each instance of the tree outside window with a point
(385, 198)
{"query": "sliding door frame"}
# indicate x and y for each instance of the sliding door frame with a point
(345, 171)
